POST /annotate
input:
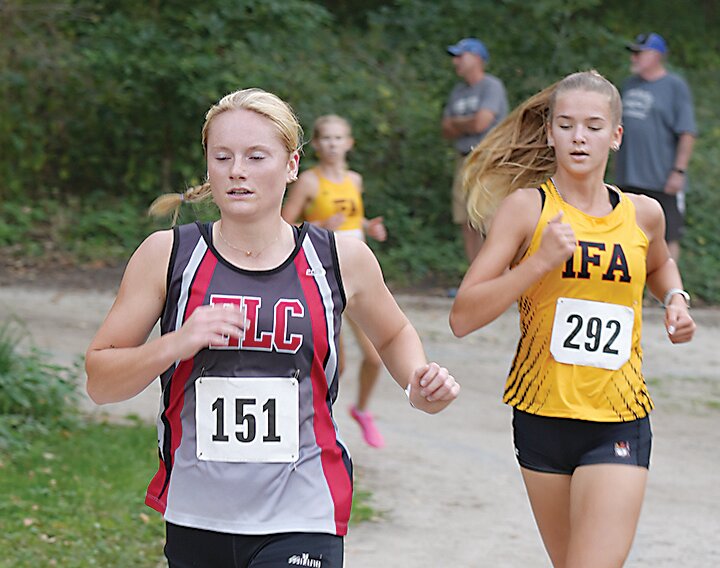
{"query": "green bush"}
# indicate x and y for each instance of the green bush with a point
(35, 396)
(125, 86)
(700, 259)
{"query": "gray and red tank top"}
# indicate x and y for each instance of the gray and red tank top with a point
(293, 315)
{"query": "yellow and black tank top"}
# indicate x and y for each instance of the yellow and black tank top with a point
(579, 354)
(332, 198)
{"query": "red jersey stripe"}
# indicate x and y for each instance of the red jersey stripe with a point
(333, 465)
(156, 496)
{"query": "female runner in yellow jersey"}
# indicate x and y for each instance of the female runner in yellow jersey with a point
(330, 195)
(575, 253)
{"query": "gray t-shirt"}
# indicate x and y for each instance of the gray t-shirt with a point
(464, 100)
(655, 114)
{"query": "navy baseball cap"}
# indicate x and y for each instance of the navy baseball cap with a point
(471, 45)
(644, 42)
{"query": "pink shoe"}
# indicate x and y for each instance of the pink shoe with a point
(372, 435)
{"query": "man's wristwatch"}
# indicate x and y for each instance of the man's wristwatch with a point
(679, 170)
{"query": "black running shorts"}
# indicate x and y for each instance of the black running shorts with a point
(197, 548)
(559, 445)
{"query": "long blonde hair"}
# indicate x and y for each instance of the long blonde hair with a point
(263, 103)
(515, 153)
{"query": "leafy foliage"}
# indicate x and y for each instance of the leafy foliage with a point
(103, 104)
(35, 395)
(700, 261)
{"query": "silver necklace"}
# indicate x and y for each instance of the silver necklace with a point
(554, 185)
(245, 251)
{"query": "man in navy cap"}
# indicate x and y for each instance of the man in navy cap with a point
(474, 106)
(659, 133)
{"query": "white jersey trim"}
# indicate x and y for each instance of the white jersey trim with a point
(318, 272)
(187, 276)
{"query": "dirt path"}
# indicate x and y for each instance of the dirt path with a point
(447, 487)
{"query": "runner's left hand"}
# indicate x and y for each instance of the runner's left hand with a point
(376, 229)
(434, 383)
(678, 323)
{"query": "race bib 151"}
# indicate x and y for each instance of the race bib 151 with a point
(241, 419)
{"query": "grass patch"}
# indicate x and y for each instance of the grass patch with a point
(361, 509)
(75, 498)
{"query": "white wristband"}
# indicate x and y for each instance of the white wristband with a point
(672, 291)
(407, 392)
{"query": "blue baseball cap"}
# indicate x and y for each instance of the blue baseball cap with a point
(469, 45)
(644, 42)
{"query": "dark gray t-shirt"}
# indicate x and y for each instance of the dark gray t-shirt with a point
(465, 100)
(655, 114)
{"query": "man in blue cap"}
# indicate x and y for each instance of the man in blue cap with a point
(659, 133)
(474, 106)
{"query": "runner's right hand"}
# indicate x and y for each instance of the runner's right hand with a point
(558, 242)
(209, 325)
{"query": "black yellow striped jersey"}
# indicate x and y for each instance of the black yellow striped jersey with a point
(579, 354)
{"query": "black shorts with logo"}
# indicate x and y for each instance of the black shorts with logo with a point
(188, 547)
(559, 445)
